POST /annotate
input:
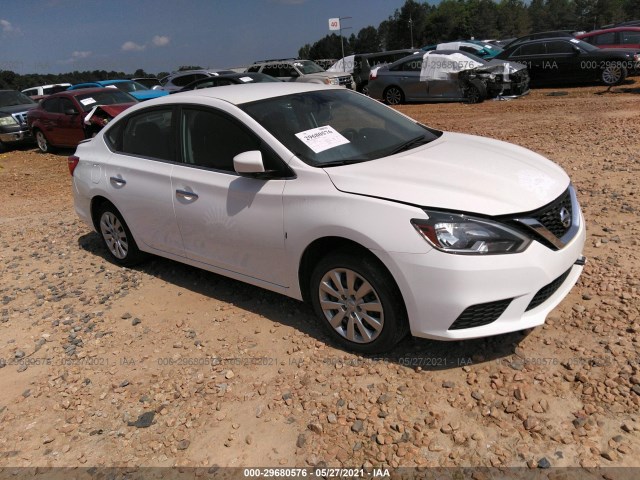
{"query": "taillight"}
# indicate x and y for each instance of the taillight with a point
(73, 163)
(373, 75)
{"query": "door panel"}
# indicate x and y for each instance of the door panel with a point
(231, 222)
(142, 188)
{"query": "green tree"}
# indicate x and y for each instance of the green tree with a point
(367, 41)
(513, 19)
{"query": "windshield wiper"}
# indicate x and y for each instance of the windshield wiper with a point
(337, 163)
(408, 145)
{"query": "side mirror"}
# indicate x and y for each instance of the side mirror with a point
(576, 51)
(70, 111)
(250, 164)
(293, 73)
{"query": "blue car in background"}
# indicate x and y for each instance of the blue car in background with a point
(135, 89)
(475, 47)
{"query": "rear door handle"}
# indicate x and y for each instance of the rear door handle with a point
(118, 181)
(186, 195)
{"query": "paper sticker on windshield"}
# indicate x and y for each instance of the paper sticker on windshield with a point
(246, 79)
(87, 101)
(321, 138)
(574, 40)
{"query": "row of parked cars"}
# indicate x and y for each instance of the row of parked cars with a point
(465, 70)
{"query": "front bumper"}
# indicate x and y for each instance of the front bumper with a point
(17, 136)
(439, 287)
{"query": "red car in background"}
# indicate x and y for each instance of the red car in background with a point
(64, 119)
(616, 37)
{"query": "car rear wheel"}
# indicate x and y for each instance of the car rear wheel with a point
(117, 237)
(476, 92)
(43, 143)
(358, 302)
(613, 74)
(393, 96)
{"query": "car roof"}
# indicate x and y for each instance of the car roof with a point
(80, 91)
(608, 30)
(251, 92)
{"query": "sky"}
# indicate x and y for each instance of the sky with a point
(58, 36)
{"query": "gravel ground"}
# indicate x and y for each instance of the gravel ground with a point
(167, 365)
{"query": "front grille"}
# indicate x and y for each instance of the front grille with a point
(346, 81)
(549, 216)
(21, 118)
(545, 292)
(481, 314)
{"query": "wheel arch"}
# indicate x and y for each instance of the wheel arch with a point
(321, 247)
(393, 85)
(96, 204)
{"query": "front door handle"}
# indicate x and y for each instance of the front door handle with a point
(119, 182)
(186, 195)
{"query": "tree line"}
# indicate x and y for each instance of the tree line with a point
(419, 24)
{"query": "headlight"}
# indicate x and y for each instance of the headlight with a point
(461, 234)
(8, 120)
(332, 81)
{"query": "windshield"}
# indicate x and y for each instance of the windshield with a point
(307, 67)
(129, 86)
(337, 126)
(584, 45)
(10, 98)
(109, 97)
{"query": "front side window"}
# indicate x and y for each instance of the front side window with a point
(147, 134)
(531, 49)
(52, 105)
(604, 39)
(211, 139)
(337, 126)
(630, 37)
(559, 47)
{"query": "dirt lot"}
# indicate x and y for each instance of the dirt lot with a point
(167, 365)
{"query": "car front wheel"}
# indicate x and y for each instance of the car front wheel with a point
(117, 237)
(613, 74)
(358, 301)
(393, 96)
(476, 92)
(43, 143)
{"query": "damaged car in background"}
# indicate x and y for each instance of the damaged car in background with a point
(447, 76)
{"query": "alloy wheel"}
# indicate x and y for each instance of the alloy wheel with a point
(351, 305)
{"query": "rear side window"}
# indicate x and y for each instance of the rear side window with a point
(148, 134)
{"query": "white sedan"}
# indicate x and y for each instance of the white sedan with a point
(384, 225)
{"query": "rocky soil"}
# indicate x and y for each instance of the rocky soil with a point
(167, 365)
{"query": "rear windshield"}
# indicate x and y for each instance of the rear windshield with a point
(108, 97)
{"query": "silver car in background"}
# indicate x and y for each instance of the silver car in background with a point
(447, 76)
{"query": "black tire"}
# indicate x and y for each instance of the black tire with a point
(117, 238)
(476, 92)
(613, 74)
(376, 328)
(393, 96)
(43, 144)
(365, 89)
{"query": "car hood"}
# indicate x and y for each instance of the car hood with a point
(458, 172)
(497, 66)
(611, 52)
(18, 108)
(148, 94)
